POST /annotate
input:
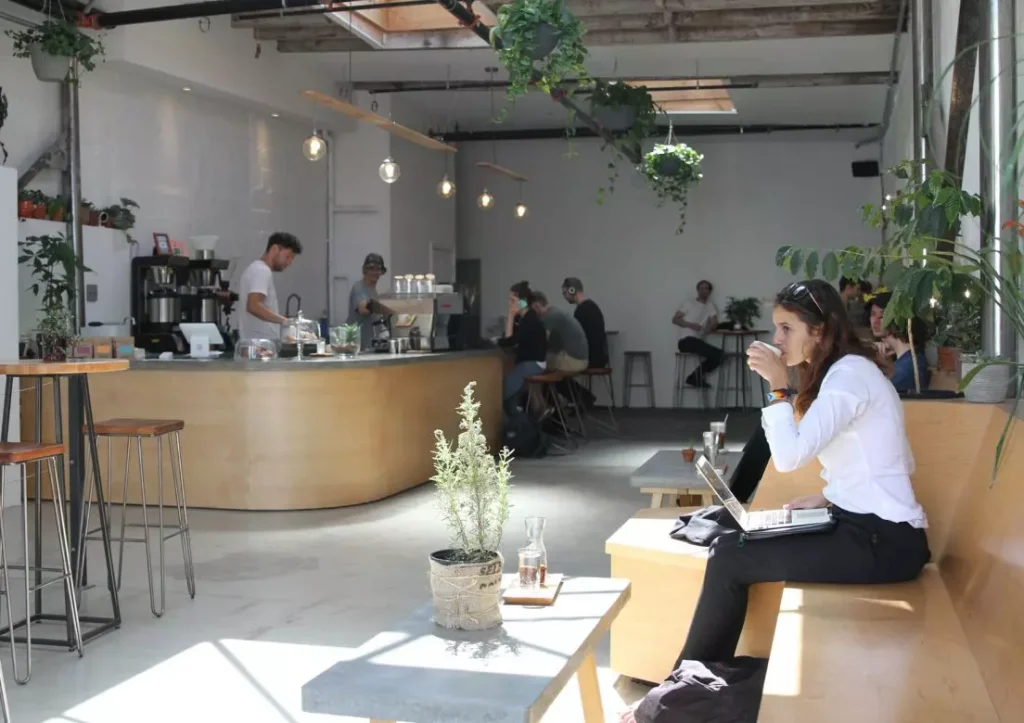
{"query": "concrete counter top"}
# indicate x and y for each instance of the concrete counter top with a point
(362, 361)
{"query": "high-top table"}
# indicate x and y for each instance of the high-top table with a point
(422, 673)
(80, 431)
(736, 359)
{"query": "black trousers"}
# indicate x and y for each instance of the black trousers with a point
(861, 549)
(711, 357)
(751, 466)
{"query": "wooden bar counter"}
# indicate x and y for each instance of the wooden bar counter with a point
(290, 434)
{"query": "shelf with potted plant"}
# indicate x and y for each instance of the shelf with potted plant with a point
(672, 169)
(927, 267)
(53, 45)
(541, 43)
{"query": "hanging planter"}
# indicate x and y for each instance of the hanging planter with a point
(53, 45)
(671, 168)
(3, 118)
(542, 36)
(629, 114)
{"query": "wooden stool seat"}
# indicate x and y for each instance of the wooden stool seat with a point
(138, 427)
(548, 378)
(24, 452)
(597, 372)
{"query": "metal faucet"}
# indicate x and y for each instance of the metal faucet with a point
(288, 304)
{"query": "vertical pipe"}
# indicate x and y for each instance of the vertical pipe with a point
(329, 137)
(74, 154)
(921, 48)
(999, 171)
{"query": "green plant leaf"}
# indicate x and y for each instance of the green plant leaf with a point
(830, 266)
(811, 265)
(781, 254)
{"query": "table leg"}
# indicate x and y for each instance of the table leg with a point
(5, 424)
(656, 500)
(590, 693)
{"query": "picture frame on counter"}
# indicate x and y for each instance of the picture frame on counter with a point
(161, 244)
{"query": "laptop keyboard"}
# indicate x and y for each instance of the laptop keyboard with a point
(770, 518)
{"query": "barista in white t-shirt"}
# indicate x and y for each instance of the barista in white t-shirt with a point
(695, 318)
(260, 318)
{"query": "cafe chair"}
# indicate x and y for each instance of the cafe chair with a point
(21, 454)
(137, 430)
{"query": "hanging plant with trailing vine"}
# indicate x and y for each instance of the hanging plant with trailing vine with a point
(3, 119)
(59, 37)
(629, 114)
(671, 168)
(538, 36)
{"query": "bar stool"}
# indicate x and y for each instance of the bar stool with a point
(546, 384)
(137, 430)
(21, 454)
(686, 364)
(644, 357)
(606, 374)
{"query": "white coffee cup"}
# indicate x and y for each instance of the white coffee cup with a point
(773, 349)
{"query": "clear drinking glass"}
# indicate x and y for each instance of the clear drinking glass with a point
(535, 539)
(719, 428)
(529, 567)
(711, 447)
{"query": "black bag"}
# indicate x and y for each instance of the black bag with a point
(727, 692)
(704, 526)
(522, 435)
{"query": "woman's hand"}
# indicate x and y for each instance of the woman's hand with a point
(809, 502)
(883, 350)
(768, 366)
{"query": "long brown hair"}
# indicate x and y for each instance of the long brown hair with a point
(818, 304)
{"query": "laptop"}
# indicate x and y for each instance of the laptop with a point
(764, 523)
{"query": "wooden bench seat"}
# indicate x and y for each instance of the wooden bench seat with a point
(873, 653)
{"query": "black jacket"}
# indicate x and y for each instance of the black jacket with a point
(528, 337)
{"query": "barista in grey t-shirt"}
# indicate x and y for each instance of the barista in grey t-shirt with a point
(363, 307)
(567, 342)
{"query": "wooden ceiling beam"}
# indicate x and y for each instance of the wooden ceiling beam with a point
(806, 12)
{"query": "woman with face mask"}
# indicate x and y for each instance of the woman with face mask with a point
(525, 333)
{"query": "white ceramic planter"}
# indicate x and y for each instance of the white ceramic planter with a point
(989, 386)
(49, 68)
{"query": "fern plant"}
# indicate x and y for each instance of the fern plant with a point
(471, 487)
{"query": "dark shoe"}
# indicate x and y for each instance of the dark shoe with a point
(691, 382)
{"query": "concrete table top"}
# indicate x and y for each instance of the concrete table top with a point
(422, 673)
(667, 468)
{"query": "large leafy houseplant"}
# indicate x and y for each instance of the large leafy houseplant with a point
(540, 41)
(923, 261)
(671, 168)
(60, 41)
(53, 265)
(472, 497)
(629, 114)
(743, 312)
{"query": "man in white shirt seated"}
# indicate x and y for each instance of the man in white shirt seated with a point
(695, 318)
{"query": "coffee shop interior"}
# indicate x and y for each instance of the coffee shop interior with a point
(254, 254)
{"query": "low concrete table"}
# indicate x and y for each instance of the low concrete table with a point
(667, 473)
(419, 672)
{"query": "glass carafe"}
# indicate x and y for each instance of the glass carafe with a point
(535, 539)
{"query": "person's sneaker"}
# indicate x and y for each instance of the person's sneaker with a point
(697, 384)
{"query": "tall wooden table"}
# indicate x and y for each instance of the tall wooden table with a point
(80, 432)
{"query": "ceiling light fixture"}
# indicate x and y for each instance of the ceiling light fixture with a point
(315, 146)
(275, 115)
(445, 187)
(389, 171)
(521, 209)
(485, 200)
(187, 89)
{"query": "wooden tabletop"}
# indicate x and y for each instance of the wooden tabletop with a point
(738, 332)
(37, 368)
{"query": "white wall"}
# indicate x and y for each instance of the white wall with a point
(9, 305)
(758, 193)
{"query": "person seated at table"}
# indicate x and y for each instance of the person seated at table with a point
(524, 333)
(695, 318)
(897, 342)
(567, 342)
(854, 293)
(842, 405)
(590, 317)
(876, 311)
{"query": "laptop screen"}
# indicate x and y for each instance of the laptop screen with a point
(721, 489)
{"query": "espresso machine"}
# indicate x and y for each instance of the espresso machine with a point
(423, 319)
(156, 304)
(206, 298)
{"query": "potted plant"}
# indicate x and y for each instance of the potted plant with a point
(957, 330)
(541, 32)
(26, 203)
(55, 209)
(53, 265)
(628, 112)
(90, 214)
(743, 312)
(41, 204)
(122, 217)
(671, 168)
(56, 333)
(3, 118)
(472, 497)
(346, 339)
(53, 46)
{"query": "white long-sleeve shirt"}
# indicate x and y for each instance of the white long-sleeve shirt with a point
(855, 429)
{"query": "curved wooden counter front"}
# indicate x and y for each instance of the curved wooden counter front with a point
(317, 437)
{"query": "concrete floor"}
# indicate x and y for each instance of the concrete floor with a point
(282, 596)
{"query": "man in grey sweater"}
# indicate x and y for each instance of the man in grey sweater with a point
(567, 342)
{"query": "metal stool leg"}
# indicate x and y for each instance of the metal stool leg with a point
(4, 709)
(7, 581)
(65, 555)
(649, 371)
(145, 529)
(611, 406)
(179, 496)
(627, 382)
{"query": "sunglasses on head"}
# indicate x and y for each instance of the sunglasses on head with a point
(798, 291)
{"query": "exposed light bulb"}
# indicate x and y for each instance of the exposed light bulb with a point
(314, 147)
(888, 197)
(485, 200)
(967, 294)
(445, 188)
(933, 302)
(884, 207)
(389, 171)
(521, 210)
(187, 89)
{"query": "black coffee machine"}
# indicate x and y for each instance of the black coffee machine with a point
(207, 298)
(157, 304)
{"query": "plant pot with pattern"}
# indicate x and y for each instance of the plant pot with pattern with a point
(472, 497)
(56, 334)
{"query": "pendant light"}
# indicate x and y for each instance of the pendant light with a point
(315, 147)
(445, 187)
(389, 171)
(521, 209)
(485, 200)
